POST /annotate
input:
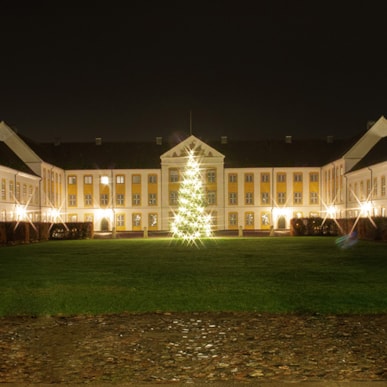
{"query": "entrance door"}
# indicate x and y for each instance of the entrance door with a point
(104, 225)
(281, 222)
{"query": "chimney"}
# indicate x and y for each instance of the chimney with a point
(288, 139)
(159, 140)
(57, 141)
(329, 139)
(98, 141)
(223, 139)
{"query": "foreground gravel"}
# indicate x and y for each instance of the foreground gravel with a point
(193, 348)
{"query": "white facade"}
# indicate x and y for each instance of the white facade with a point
(19, 195)
(249, 198)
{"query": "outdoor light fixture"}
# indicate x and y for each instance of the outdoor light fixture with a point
(281, 211)
(104, 213)
(331, 211)
(21, 212)
(53, 214)
(366, 209)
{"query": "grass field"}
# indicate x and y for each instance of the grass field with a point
(280, 275)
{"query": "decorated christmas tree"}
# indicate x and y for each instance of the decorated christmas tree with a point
(191, 222)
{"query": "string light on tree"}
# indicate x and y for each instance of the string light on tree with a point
(191, 222)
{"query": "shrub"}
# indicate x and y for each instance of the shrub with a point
(313, 226)
(71, 230)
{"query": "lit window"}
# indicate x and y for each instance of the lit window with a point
(152, 220)
(72, 180)
(383, 186)
(104, 180)
(120, 179)
(136, 220)
(88, 179)
(281, 177)
(249, 219)
(265, 219)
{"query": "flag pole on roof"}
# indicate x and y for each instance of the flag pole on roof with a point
(190, 122)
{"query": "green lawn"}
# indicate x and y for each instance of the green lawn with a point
(277, 274)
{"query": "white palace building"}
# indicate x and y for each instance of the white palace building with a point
(132, 186)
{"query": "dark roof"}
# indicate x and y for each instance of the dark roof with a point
(108, 155)
(10, 160)
(146, 155)
(377, 154)
(278, 153)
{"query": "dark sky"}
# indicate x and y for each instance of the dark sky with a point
(245, 69)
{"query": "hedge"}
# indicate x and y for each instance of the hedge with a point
(27, 232)
(374, 228)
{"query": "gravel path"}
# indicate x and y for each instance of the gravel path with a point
(193, 347)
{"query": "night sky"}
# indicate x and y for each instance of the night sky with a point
(247, 70)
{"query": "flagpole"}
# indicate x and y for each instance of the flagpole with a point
(190, 122)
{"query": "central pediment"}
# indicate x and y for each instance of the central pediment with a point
(192, 143)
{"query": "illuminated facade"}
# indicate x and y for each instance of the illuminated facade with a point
(249, 185)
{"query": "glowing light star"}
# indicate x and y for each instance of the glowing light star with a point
(330, 212)
(366, 209)
(191, 222)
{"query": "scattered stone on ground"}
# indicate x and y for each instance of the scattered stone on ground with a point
(193, 347)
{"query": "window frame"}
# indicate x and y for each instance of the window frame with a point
(136, 199)
(233, 198)
(87, 179)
